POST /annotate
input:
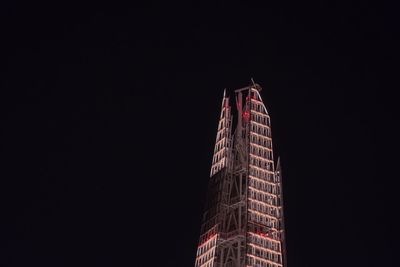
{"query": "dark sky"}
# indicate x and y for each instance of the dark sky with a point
(109, 116)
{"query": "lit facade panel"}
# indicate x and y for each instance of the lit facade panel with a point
(243, 219)
(222, 143)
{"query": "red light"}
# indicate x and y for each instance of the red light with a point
(246, 114)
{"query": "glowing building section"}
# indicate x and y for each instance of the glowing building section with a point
(243, 218)
(222, 143)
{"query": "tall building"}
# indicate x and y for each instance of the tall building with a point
(243, 219)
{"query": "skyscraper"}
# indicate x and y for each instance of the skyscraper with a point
(243, 222)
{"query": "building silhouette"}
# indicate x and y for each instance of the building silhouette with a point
(243, 221)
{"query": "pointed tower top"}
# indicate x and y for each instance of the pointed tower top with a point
(256, 85)
(278, 164)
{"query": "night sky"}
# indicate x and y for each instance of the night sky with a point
(109, 116)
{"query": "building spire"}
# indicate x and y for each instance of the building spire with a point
(255, 85)
(243, 218)
(278, 164)
(222, 143)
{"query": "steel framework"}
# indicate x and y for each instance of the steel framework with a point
(243, 219)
